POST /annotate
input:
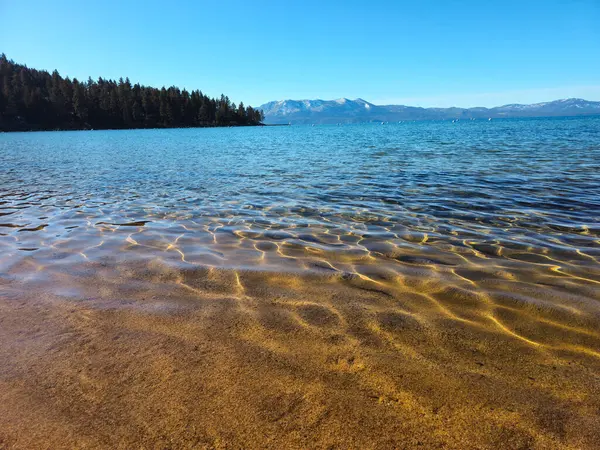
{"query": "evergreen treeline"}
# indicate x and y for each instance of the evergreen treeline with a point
(36, 100)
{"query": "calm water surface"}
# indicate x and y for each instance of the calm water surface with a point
(506, 199)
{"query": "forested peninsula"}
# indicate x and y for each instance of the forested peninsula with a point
(33, 99)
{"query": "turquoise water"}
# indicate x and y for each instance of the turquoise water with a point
(521, 195)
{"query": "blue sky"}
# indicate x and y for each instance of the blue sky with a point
(426, 53)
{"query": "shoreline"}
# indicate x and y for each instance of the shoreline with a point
(130, 129)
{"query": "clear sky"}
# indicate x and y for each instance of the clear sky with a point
(422, 52)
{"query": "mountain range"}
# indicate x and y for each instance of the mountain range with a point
(344, 110)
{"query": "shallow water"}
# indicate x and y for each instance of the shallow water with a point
(515, 197)
(412, 285)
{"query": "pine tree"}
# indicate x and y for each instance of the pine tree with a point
(80, 108)
(241, 112)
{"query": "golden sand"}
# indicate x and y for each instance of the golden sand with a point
(130, 356)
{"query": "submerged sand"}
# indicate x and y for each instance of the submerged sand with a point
(147, 356)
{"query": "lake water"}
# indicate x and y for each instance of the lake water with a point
(516, 199)
(431, 285)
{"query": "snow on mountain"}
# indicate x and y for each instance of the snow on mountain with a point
(343, 110)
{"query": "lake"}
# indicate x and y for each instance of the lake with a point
(521, 194)
(429, 284)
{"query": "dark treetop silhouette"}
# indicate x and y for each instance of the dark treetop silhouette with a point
(33, 99)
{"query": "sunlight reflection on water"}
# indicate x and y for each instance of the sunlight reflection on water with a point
(516, 199)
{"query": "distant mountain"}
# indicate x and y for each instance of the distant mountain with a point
(344, 110)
